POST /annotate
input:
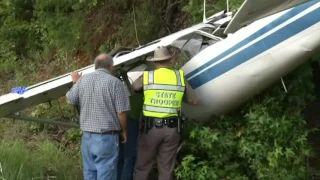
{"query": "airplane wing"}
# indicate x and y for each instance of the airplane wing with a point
(252, 10)
(57, 87)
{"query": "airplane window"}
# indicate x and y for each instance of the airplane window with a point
(207, 29)
(207, 42)
(180, 57)
(180, 60)
(192, 44)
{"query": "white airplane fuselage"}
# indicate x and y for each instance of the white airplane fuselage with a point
(230, 72)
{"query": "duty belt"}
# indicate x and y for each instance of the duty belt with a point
(160, 122)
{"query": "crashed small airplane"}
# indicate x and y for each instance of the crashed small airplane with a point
(227, 59)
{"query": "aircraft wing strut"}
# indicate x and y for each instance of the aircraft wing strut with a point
(252, 10)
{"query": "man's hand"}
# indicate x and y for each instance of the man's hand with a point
(124, 137)
(75, 76)
(123, 121)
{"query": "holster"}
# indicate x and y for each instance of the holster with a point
(158, 123)
(147, 123)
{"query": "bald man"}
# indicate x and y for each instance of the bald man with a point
(103, 116)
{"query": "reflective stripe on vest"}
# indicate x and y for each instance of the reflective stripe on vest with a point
(163, 92)
(159, 109)
(164, 87)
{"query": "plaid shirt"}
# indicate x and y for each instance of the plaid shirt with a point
(100, 97)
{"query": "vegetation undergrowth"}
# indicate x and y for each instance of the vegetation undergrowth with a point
(39, 40)
(44, 161)
(25, 156)
(266, 140)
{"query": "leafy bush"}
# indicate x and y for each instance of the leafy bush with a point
(266, 140)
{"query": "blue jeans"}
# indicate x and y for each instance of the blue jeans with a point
(100, 156)
(128, 151)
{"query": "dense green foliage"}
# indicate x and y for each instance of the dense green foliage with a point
(40, 39)
(44, 31)
(266, 140)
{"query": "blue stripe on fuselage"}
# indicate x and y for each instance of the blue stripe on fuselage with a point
(255, 49)
(256, 35)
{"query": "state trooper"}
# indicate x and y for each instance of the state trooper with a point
(164, 90)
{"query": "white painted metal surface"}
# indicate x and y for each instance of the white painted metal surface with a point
(277, 45)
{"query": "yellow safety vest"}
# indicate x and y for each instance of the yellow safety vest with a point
(163, 92)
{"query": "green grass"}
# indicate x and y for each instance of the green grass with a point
(34, 157)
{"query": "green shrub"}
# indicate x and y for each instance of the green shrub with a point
(266, 140)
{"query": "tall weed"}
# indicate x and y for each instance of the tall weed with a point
(44, 160)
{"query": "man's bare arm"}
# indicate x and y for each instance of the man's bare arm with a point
(72, 95)
(137, 85)
(122, 116)
(190, 96)
(122, 105)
